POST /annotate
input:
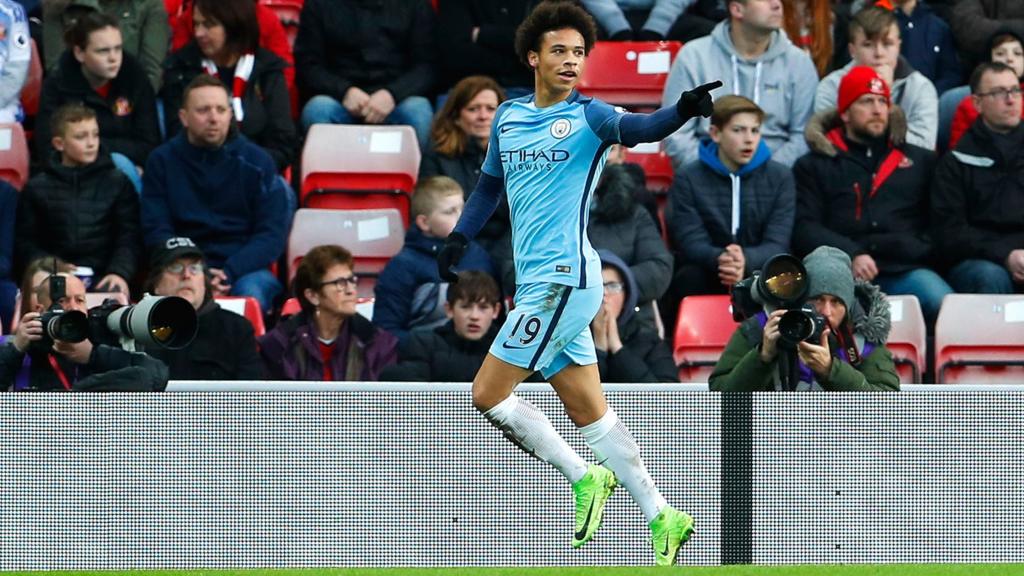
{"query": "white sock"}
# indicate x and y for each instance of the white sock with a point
(615, 448)
(528, 428)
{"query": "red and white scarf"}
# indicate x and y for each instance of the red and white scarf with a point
(243, 69)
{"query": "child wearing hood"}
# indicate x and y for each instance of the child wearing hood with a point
(628, 349)
(729, 211)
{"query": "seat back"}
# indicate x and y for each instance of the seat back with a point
(703, 328)
(13, 154)
(372, 236)
(628, 73)
(979, 339)
(656, 164)
(907, 339)
(245, 306)
(288, 12)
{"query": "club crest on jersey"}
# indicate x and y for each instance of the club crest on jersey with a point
(560, 128)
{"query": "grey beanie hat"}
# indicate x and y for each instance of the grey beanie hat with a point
(830, 272)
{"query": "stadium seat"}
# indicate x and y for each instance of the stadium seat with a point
(13, 155)
(907, 340)
(630, 74)
(356, 167)
(33, 87)
(703, 329)
(245, 306)
(979, 339)
(288, 12)
(372, 236)
(656, 164)
(364, 306)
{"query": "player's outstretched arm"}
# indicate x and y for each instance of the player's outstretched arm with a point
(478, 210)
(656, 126)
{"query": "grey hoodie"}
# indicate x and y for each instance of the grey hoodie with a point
(911, 91)
(780, 81)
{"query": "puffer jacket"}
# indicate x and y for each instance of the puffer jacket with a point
(88, 216)
(440, 355)
(864, 200)
(740, 369)
(267, 121)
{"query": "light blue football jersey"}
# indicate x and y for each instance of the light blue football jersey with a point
(551, 160)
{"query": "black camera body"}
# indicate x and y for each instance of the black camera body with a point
(801, 325)
(782, 284)
(60, 324)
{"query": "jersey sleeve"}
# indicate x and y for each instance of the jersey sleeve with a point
(492, 162)
(603, 119)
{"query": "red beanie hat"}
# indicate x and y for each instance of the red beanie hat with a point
(860, 80)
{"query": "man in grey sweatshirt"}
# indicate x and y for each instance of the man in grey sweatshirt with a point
(753, 57)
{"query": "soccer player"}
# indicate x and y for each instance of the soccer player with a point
(548, 150)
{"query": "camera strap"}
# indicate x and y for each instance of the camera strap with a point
(60, 372)
(848, 343)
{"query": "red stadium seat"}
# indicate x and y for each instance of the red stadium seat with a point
(13, 155)
(288, 12)
(372, 236)
(245, 306)
(979, 339)
(356, 167)
(907, 340)
(703, 329)
(291, 307)
(629, 74)
(656, 164)
(33, 87)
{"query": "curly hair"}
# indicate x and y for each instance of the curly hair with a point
(553, 15)
(312, 269)
(449, 139)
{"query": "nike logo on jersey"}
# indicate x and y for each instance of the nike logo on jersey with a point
(504, 129)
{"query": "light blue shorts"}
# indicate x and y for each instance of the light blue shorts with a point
(549, 328)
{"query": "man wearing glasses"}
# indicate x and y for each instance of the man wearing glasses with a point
(978, 193)
(178, 268)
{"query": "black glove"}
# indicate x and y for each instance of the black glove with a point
(697, 102)
(449, 256)
(646, 35)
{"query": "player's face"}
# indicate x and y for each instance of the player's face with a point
(764, 15)
(442, 219)
(475, 118)
(206, 116)
(185, 277)
(472, 320)
(80, 143)
(1010, 53)
(868, 116)
(832, 308)
(614, 291)
(561, 60)
(101, 58)
(884, 50)
(334, 297)
(738, 139)
(210, 34)
(999, 100)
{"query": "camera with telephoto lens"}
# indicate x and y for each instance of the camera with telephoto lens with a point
(782, 284)
(161, 321)
(58, 323)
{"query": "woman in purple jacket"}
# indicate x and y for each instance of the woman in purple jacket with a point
(328, 340)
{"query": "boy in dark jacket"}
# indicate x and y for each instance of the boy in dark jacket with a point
(454, 351)
(409, 293)
(81, 208)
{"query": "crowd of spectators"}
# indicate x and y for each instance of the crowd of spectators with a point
(882, 137)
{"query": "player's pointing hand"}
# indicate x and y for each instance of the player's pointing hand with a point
(697, 102)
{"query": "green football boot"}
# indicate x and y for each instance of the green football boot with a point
(670, 529)
(591, 492)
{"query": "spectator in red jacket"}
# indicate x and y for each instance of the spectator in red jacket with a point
(1005, 47)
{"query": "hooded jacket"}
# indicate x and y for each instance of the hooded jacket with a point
(291, 352)
(644, 357)
(229, 200)
(267, 121)
(707, 201)
(740, 369)
(126, 116)
(206, 357)
(978, 198)
(88, 216)
(966, 113)
(864, 199)
(778, 81)
(620, 224)
(410, 289)
(144, 26)
(911, 91)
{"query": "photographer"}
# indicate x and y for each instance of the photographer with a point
(27, 364)
(849, 355)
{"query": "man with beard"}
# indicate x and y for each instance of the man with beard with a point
(864, 190)
(178, 268)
